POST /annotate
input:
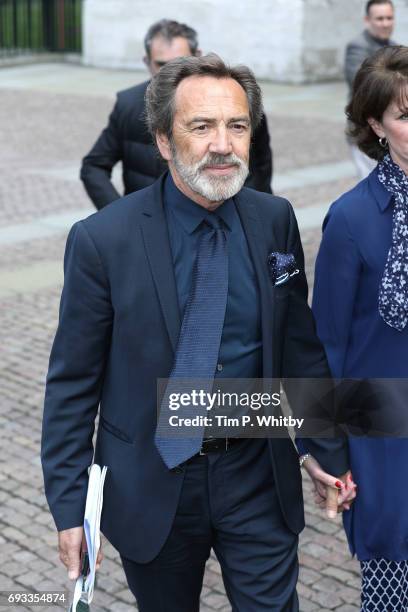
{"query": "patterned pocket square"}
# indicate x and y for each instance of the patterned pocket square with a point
(282, 266)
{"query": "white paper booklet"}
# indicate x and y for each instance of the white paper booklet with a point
(84, 587)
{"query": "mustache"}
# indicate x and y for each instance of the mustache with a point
(216, 159)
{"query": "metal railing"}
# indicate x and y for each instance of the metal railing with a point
(28, 26)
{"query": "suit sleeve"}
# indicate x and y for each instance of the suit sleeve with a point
(354, 57)
(96, 169)
(74, 380)
(304, 358)
(260, 163)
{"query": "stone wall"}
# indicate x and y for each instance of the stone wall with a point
(282, 40)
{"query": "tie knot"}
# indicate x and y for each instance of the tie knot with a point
(214, 221)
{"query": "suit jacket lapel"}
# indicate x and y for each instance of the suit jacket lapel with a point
(157, 245)
(259, 252)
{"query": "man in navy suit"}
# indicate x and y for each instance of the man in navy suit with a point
(173, 281)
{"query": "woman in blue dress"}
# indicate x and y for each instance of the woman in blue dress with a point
(360, 304)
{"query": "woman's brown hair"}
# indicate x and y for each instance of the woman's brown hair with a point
(381, 80)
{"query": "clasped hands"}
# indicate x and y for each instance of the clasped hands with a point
(333, 494)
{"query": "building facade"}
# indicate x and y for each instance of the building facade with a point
(292, 41)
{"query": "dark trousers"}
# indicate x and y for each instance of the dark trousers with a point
(228, 502)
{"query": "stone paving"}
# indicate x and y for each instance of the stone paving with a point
(44, 131)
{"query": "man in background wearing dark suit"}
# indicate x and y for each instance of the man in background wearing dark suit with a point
(173, 282)
(127, 139)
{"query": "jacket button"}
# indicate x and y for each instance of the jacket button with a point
(219, 367)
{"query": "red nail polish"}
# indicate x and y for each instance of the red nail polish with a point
(338, 484)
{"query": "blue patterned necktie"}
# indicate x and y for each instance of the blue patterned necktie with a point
(199, 342)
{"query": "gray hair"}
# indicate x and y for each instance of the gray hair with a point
(162, 88)
(169, 29)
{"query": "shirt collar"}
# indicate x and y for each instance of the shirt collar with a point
(383, 197)
(380, 41)
(190, 214)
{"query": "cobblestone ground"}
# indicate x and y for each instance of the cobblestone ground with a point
(41, 135)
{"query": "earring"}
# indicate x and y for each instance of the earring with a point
(383, 142)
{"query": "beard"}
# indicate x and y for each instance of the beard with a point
(212, 188)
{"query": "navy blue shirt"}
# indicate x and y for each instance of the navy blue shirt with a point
(240, 353)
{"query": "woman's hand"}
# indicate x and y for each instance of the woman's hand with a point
(333, 494)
